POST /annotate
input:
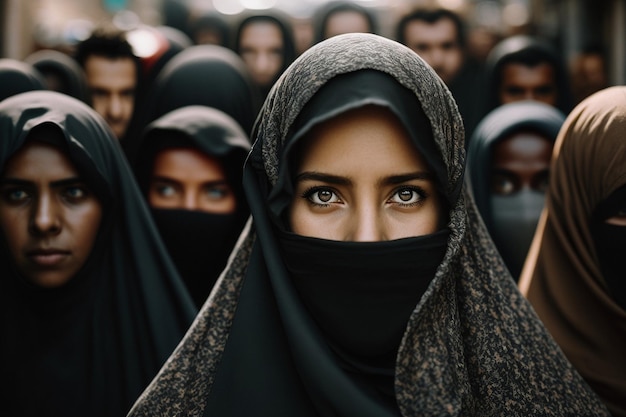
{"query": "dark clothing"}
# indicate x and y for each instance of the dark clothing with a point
(89, 347)
(512, 226)
(18, 77)
(471, 344)
(198, 242)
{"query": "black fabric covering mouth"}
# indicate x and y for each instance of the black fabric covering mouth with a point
(609, 241)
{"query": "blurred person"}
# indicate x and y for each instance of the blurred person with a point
(366, 284)
(210, 28)
(91, 305)
(113, 72)
(337, 17)
(526, 68)
(189, 166)
(439, 37)
(574, 275)
(265, 42)
(589, 72)
(185, 81)
(61, 73)
(18, 77)
(508, 164)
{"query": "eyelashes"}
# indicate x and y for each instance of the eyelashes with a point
(404, 196)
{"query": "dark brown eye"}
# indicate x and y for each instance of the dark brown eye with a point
(405, 195)
(324, 195)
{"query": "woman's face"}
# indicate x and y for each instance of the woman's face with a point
(261, 48)
(48, 215)
(361, 179)
(185, 178)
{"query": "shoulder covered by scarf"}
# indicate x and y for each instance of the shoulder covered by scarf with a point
(472, 346)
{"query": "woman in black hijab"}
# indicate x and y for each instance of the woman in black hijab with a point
(190, 172)
(338, 17)
(202, 75)
(18, 77)
(405, 312)
(266, 44)
(61, 73)
(508, 165)
(91, 304)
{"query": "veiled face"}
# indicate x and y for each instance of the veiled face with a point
(186, 178)
(360, 178)
(521, 161)
(48, 215)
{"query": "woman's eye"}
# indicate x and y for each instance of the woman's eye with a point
(502, 184)
(165, 190)
(15, 195)
(321, 196)
(216, 193)
(407, 196)
(75, 192)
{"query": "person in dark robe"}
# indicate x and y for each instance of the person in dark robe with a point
(366, 284)
(91, 304)
(508, 165)
(189, 168)
(574, 275)
(266, 44)
(204, 75)
(61, 73)
(210, 28)
(18, 77)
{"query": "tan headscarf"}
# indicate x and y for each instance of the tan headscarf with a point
(562, 277)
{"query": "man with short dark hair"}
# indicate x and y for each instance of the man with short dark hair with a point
(112, 72)
(438, 36)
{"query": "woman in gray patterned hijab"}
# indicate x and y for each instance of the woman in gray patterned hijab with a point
(314, 322)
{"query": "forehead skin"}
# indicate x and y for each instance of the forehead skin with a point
(346, 22)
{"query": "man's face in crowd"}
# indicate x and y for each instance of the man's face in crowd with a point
(438, 44)
(112, 83)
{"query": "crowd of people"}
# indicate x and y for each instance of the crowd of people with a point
(232, 226)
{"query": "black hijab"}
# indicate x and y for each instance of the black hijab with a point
(88, 347)
(513, 241)
(203, 75)
(18, 77)
(324, 13)
(198, 242)
(50, 62)
(471, 345)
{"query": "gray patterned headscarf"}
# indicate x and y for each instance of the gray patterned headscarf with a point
(473, 345)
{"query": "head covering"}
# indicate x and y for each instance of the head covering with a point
(206, 75)
(472, 345)
(212, 22)
(88, 347)
(522, 48)
(198, 242)
(283, 24)
(65, 68)
(513, 237)
(562, 277)
(18, 77)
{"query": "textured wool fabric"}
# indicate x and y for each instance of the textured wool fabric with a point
(91, 346)
(562, 276)
(472, 346)
(499, 124)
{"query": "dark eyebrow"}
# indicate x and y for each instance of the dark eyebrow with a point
(318, 176)
(59, 183)
(399, 179)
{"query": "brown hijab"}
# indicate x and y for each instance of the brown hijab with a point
(562, 277)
